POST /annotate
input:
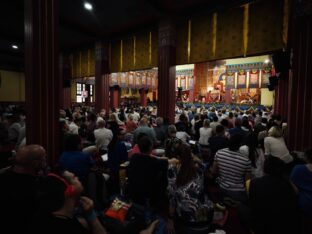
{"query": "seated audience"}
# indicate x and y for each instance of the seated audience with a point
(273, 201)
(186, 187)
(73, 159)
(275, 146)
(233, 169)
(301, 177)
(19, 187)
(60, 196)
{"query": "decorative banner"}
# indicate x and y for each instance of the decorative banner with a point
(153, 81)
(241, 79)
(123, 82)
(254, 78)
(143, 79)
(183, 82)
(191, 83)
(148, 80)
(114, 79)
(266, 73)
(138, 80)
(131, 80)
(230, 80)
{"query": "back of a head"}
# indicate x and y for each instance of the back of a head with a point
(275, 131)
(206, 123)
(100, 123)
(72, 143)
(215, 118)
(172, 130)
(143, 122)
(159, 121)
(220, 130)
(145, 144)
(273, 166)
(235, 142)
(238, 122)
(32, 157)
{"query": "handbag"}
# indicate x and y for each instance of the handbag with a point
(124, 217)
(118, 210)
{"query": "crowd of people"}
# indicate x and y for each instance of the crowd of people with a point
(173, 171)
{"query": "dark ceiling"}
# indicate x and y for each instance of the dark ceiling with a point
(79, 27)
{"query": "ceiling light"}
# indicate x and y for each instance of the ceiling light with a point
(15, 47)
(88, 6)
(267, 61)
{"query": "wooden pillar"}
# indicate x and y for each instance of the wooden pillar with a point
(65, 77)
(166, 70)
(42, 81)
(101, 76)
(143, 97)
(300, 82)
(114, 96)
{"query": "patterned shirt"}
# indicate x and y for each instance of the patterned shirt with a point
(189, 198)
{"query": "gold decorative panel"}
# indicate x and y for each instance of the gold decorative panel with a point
(128, 50)
(229, 42)
(201, 39)
(181, 42)
(115, 56)
(265, 26)
(142, 50)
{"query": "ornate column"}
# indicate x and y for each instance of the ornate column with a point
(166, 70)
(42, 81)
(114, 96)
(101, 76)
(65, 77)
(300, 82)
(143, 97)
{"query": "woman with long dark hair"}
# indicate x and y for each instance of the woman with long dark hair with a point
(186, 188)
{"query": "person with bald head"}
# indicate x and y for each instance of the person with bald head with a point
(19, 188)
(144, 128)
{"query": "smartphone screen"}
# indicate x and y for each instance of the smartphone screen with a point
(104, 157)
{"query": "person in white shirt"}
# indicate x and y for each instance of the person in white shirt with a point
(205, 133)
(275, 145)
(103, 136)
(73, 126)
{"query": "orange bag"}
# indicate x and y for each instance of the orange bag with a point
(118, 210)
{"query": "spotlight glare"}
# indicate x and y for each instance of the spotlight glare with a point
(88, 6)
(267, 61)
(15, 47)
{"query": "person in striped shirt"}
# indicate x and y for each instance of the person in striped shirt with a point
(233, 169)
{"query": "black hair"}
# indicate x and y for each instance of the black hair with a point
(51, 194)
(72, 142)
(145, 144)
(235, 142)
(219, 129)
(188, 168)
(273, 166)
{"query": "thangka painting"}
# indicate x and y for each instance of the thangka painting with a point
(143, 78)
(191, 82)
(114, 79)
(123, 82)
(230, 80)
(183, 83)
(241, 79)
(153, 78)
(138, 80)
(266, 73)
(130, 80)
(148, 80)
(254, 78)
